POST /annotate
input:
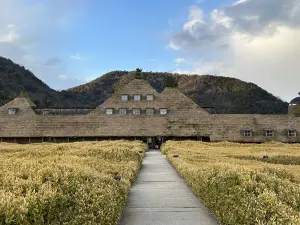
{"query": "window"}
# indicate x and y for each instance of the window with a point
(163, 111)
(149, 112)
(136, 112)
(150, 97)
(109, 111)
(122, 111)
(292, 133)
(137, 97)
(269, 133)
(12, 111)
(247, 133)
(124, 97)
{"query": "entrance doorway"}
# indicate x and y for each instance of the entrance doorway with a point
(154, 142)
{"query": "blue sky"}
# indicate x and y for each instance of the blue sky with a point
(69, 42)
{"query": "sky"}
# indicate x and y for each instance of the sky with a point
(66, 43)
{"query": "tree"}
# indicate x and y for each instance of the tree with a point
(138, 73)
(24, 94)
(171, 81)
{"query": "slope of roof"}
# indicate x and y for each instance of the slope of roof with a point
(135, 87)
(19, 102)
(175, 98)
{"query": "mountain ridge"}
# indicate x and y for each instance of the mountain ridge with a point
(222, 94)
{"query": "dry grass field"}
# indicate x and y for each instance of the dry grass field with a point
(66, 183)
(238, 184)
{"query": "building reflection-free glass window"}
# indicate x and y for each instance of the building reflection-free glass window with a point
(122, 111)
(109, 111)
(150, 97)
(136, 112)
(137, 97)
(292, 133)
(12, 111)
(149, 112)
(269, 133)
(163, 111)
(247, 133)
(124, 97)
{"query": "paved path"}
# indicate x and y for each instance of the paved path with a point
(161, 197)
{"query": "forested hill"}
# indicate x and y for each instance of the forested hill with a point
(223, 94)
(15, 81)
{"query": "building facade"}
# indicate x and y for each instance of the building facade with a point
(139, 112)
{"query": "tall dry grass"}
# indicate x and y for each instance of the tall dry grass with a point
(66, 183)
(238, 184)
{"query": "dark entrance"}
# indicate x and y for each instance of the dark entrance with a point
(154, 142)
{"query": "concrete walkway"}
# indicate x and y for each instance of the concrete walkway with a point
(161, 197)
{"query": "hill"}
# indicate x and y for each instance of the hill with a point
(223, 94)
(15, 80)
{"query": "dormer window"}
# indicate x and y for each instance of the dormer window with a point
(136, 112)
(149, 97)
(109, 111)
(137, 97)
(163, 111)
(12, 111)
(122, 111)
(124, 97)
(149, 112)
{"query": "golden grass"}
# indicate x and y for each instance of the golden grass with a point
(66, 183)
(237, 184)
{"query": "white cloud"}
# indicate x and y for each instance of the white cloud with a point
(63, 77)
(9, 34)
(30, 34)
(239, 2)
(173, 46)
(202, 67)
(261, 40)
(179, 60)
(76, 56)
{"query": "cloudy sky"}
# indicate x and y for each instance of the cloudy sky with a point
(69, 42)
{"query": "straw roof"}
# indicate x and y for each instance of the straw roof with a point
(20, 102)
(184, 118)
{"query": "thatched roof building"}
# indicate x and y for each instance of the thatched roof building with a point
(138, 112)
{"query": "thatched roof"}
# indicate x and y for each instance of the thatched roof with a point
(135, 87)
(20, 102)
(178, 101)
(184, 118)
